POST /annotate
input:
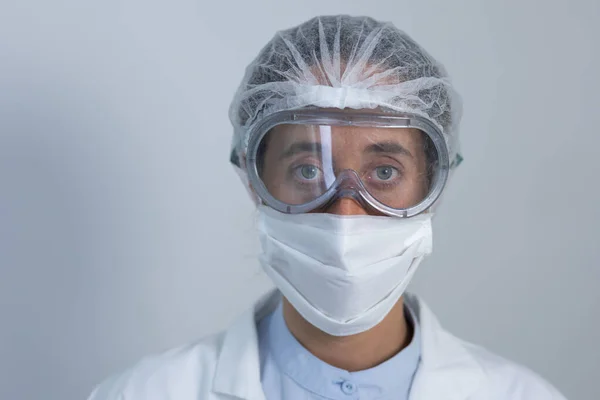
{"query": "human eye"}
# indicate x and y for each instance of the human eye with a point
(384, 173)
(307, 173)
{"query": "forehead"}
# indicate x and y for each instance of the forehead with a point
(343, 135)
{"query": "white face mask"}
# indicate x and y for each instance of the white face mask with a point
(343, 274)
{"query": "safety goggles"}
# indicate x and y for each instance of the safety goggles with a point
(304, 160)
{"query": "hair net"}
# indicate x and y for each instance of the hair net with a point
(344, 62)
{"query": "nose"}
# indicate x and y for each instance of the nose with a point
(345, 206)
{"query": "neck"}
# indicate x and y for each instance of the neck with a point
(356, 352)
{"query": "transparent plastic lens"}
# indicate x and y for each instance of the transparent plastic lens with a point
(301, 163)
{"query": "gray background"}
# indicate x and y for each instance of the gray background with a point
(124, 231)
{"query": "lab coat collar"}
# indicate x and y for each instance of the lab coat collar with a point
(447, 369)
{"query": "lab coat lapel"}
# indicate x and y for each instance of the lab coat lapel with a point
(447, 370)
(238, 366)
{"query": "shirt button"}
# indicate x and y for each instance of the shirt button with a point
(348, 387)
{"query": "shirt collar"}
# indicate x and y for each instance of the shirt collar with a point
(393, 376)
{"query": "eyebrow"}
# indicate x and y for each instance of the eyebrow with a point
(388, 147)
(301, 147)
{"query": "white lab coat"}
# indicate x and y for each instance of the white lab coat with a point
(226, 366)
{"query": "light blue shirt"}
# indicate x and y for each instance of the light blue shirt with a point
(290, 372)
